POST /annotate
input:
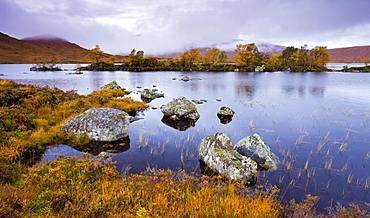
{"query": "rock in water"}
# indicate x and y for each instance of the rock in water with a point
(226, 111)
(218, 154)
(254, 147)
(111, 85)
(151, 94)
(99, 124)
(180, 108)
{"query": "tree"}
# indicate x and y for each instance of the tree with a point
(223, 57)
(320, 56)
(212, 55)
(95, 54)
(289, 56)
(246, 54)
(192, 56)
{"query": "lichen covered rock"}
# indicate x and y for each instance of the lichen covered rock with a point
(255, 148)
(111, 85)
(100, 124)
(219, 155)
(226, 111)
(151, 94)
(180, 108)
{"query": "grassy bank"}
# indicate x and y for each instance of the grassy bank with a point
(30, 118)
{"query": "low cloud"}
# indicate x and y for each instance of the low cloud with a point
(166, 26)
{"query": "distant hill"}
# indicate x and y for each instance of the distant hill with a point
(40, 48)
(350, 54)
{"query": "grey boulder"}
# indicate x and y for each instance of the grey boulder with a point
(180, 108)
(151, 94)
(219, 155)
(255, 148)
(100, 124)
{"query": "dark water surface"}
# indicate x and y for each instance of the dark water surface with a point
(318, 124)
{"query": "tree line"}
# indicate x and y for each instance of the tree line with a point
(247, 58)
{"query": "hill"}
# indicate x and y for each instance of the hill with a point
(350, 54)
(42, 48)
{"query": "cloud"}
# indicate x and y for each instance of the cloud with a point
(158, 26)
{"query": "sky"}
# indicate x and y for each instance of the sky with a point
(165, 26)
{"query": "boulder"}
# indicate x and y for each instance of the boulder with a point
(185, 78)
(100, 124)
(219, 155)
(151, 94)
(180, 108)
(226, 111)
(255, 148)
(111, 85)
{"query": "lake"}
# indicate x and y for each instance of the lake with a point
(318, 124)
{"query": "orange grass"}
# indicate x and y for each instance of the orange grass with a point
(87, 188)
(30, 117)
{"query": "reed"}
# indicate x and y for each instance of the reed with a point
(328, 164)
(307, 163)
(350, 178)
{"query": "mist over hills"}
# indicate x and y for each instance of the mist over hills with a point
(49, 48)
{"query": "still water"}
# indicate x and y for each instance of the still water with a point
(318, 124)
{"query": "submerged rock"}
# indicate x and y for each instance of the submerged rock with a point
(180, 108)
(100, 124)
(219, 155)
(254, 147)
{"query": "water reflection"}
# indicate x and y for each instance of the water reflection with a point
(96, 148)
(225, 119)
(182, 124)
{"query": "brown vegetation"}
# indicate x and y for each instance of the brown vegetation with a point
(15, 51)
(351, 54)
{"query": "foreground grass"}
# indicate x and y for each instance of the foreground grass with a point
(72, 187)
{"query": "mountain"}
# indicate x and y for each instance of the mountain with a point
(350, 54)
(42, 48)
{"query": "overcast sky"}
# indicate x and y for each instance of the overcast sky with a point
(160, 26)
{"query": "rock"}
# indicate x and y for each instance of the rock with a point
(186, 78)
(254, 147)
(151, 94)
(197, 101)
(180, 108)
(218, 154)
(259, 69)
(111, 85)
(226, 111)
(100, 124)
